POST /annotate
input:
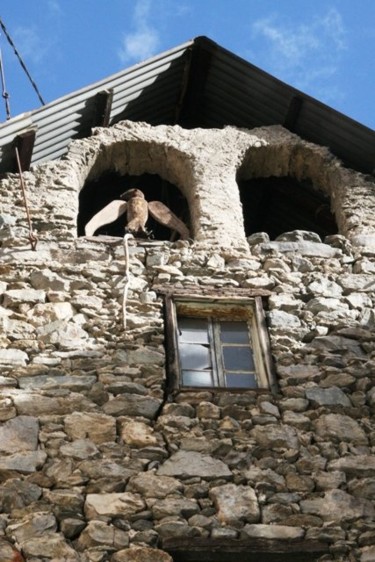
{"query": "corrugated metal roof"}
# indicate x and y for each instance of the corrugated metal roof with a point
(195, 84)
(241, 94)
(64, 119)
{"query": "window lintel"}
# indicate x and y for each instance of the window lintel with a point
(244, 550)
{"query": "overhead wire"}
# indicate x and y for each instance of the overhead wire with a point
(127, 237)
(11, 43)
(4, 92)
(32, 236)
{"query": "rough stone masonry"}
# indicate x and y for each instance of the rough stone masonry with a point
(97, 463)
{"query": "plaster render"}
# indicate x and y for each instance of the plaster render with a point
(203, 164)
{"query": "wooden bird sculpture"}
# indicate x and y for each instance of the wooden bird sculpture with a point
(137, 210)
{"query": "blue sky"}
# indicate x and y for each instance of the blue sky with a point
(325, 48)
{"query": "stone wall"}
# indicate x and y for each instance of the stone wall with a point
(97, 461)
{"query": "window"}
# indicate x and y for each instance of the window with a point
(217, 343)
(215, 352)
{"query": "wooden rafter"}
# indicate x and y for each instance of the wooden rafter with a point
(293, 113)
(103, 105)
(25, 145)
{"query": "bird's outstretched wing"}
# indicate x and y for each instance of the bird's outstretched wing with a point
(162, 214)
(108, 214)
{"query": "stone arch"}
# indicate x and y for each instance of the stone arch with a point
(152, 165)
(204, 167)
(290, 186)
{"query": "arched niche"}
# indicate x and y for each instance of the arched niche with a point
(132, 155)
(97, 193)
(281, 204)
(283, 189)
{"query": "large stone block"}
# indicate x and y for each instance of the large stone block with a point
(337, 502)
(186, 464)
(276, 436)
(19, 434)
(235, 503)
(338, 427)
(99, 428)
(133, 405)
(150, 485)
(112, 505)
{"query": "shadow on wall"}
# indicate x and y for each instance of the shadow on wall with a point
(280, 204)
(98, 193)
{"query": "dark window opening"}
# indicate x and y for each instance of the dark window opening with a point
(98, 193)
(277, 205)
(249, 556)
(243, 550)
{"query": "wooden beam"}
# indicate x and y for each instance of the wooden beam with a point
(191, 106)
(103, 105)
(183, 87)
(228, 293)
(265, 345)
(249, 556)
(25, 145)
(293, 113)
(243, 550)
(171, 346)
(95, 113)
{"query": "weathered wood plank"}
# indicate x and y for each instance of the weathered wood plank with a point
(243, 550)
(212, 292)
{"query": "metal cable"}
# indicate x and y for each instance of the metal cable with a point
(32, 236)
(3, 87)
(21, 61)
(126, 278)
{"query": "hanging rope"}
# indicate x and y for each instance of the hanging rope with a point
(3, 87)
(126, 278)
(32, 236)
(21, 61)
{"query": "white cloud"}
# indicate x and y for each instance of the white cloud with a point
(291, 46)
(334, 27)
(30, 45)
(139, 45)
(144, 41)
(54, 7)
(142, 11)
(182, 10)
(305, 54)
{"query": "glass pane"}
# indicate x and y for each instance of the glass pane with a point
(197, 378)
(240, 380)
(192, 330)
(194, 356)
(238, 358)
(234, 332)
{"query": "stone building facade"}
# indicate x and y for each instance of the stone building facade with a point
(102, 458)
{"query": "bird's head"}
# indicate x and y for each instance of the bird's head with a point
(130, 193)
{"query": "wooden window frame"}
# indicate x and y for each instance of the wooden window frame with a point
(224, 307)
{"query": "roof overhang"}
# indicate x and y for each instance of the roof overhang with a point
(197, 84)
